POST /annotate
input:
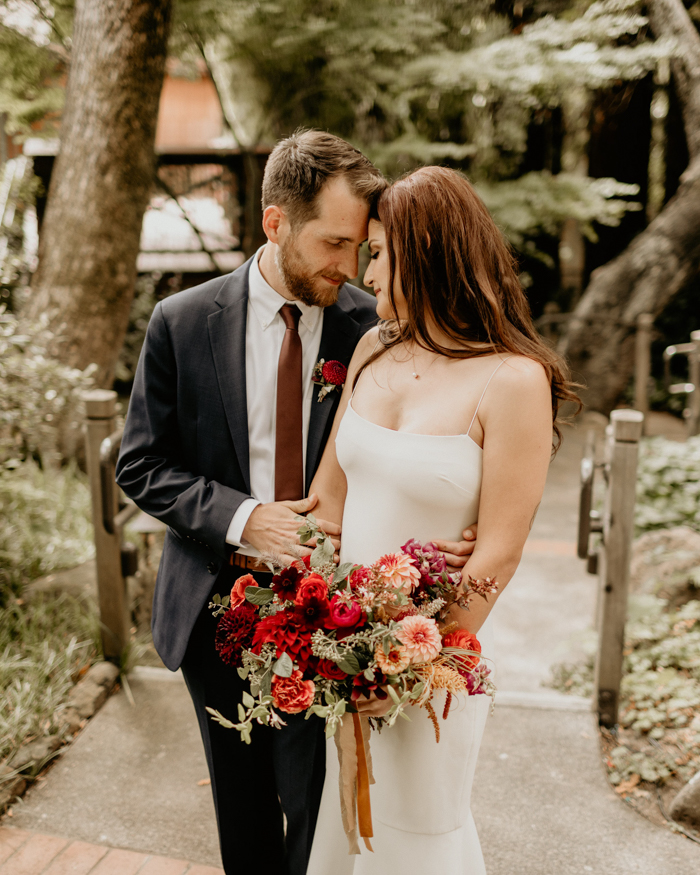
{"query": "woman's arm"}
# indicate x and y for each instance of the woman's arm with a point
(329, 483)
(516, 417)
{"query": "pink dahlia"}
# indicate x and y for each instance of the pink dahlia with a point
(398, 571)
(421, 638)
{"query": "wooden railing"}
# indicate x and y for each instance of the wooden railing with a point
(609, 558)
(115, 560)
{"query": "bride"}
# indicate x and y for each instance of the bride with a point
(447, 416)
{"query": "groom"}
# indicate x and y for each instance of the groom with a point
(222, 439)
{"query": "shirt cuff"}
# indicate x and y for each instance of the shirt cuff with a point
(234, 535)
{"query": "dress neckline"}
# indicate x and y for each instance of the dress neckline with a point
(414, 433)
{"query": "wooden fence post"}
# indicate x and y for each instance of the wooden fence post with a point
(642, 362)
(618, 531)
(694, 378)
(100, 405)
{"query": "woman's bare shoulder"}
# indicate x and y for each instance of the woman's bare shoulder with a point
(520, 380)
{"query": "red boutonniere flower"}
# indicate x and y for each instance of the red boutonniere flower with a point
(330, 376)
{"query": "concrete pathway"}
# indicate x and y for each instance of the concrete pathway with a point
(128, 794)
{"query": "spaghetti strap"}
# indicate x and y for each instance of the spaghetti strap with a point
(354, 388)
(484, 392)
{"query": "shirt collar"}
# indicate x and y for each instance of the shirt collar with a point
(266, 302)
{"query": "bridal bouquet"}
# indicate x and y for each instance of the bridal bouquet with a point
(322, 636)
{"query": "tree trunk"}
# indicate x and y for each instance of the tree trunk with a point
(659, 262)
(102, 180)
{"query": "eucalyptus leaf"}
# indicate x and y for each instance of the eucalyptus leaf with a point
(258, 595)
(266, 684)
(349, 663)
(248, 700)
(241, 712)
(342, 572)
(283, 667)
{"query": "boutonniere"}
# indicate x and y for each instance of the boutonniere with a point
(330, 376)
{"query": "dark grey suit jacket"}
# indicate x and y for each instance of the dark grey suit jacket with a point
(184, 454)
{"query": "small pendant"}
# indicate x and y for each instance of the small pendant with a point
(416, 376)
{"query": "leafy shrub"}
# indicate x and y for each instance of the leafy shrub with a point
(39, 396)
(668, 484)
(45, 523)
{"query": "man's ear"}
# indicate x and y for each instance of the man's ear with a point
(273, 218)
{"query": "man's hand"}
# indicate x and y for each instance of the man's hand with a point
(457, 552)
(272, 528)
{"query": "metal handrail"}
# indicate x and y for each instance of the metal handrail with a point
(109, 452)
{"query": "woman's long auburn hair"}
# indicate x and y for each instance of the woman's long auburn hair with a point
(458, 273)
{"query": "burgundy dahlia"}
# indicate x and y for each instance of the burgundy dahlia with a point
(334, 373)
(285, 583)
(234, 633)
(363, 687)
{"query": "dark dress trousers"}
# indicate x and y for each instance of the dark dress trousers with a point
(184, 459)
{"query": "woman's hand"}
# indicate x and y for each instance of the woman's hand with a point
(374, 706)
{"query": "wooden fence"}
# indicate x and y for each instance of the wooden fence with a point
(609, 558)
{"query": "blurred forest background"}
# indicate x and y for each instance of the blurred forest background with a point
(133, 137)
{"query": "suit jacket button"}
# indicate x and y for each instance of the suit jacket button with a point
(211, 567)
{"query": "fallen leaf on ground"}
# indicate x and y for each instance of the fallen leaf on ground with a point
(626, 786)
(204, 782)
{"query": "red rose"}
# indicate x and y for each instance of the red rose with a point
(345, 613)
(363, 687)
(238, 589)
(465, 641)
(234, 633)
(292, 694)
(312, 601)
(334, 373)
(283, 630)
(329, 669)
(313, 586)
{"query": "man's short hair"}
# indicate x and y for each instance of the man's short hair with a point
(299, 166)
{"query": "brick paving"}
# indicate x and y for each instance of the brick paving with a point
(23, 852)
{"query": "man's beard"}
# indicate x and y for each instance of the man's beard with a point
(302, 286)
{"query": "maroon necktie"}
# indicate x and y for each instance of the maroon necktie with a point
(289, 453)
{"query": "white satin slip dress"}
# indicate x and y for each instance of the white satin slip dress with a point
(403, 485)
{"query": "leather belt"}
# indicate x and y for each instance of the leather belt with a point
(251, 563)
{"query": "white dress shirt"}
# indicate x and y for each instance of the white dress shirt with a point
(265, 330)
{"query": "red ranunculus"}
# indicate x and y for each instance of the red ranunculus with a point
(285, 583)
(344, 612)
(292, 694)
(329, 669)
(283, 630)
(311, 602)
(465, 641)
(234, 633)
(238, 589)
(359, 577)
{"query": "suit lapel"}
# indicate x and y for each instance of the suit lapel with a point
(338, 341)
(227, 328)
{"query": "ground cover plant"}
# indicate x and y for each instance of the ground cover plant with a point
(46, 643)
(656, 748)
(45, 523)
(668, 484)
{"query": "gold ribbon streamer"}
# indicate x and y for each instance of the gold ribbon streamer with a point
(352, 743)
